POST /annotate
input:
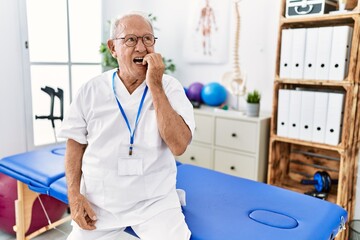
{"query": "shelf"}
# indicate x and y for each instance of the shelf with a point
(291, 160)
(314, 82)
(337, 148)
(322, 20)
(295, 186)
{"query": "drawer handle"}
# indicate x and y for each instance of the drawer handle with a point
(192, 158)
(232, 167)
(233, 135)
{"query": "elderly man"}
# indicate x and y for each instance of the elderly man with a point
(123, 129)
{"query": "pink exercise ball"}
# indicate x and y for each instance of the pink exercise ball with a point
(8, 194)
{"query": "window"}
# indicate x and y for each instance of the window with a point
(64, 37)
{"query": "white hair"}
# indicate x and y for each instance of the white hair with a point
(115, 24)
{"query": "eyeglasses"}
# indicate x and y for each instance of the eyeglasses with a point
(131, 40)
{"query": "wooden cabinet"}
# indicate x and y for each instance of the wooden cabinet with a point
(291, 159)
(229, 142)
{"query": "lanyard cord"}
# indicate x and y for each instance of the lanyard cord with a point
(132, 133)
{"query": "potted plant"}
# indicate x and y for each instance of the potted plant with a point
(253, 103)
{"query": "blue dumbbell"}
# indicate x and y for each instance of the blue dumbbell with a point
(321, 181)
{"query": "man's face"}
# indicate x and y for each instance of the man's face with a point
(126, 55)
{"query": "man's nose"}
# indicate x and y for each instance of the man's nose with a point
(140, 46)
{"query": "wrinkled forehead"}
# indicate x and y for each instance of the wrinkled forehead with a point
(134, 24)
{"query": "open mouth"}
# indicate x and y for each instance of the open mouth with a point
(138, 60)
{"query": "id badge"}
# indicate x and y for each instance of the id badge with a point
(130, 166)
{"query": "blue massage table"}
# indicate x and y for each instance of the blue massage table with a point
(218, 206)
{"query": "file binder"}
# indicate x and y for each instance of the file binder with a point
(334, 118)
(320, 116)
(340, 49)
(294, 114)
(323, 53)
(285, 55)
(307, 115)
(310, 53)
(348, 51)
(283, 113)
(298, 53)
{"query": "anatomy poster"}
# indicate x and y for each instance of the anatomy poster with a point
(207, 35)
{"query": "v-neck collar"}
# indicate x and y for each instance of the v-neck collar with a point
(121, 90)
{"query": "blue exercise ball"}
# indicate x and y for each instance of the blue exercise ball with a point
(213, 94)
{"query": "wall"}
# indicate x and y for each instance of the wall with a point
(12, 105)
(258, 38)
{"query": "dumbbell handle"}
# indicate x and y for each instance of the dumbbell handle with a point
(313, 182)
(308, 182)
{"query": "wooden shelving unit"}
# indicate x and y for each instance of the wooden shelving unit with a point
(291, 160)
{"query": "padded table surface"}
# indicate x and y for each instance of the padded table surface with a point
(221, 206)
(58, 190)
(38, 168)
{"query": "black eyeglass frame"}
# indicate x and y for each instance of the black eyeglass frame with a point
(137, 39)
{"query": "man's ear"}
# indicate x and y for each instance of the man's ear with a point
(111, 46)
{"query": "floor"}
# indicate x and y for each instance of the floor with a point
(60, 233)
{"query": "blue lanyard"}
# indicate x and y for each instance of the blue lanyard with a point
(132, 133)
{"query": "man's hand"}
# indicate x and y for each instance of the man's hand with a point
(155, 69)
(82, 213)
(172, 127)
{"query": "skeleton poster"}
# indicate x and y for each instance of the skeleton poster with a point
(207, 35)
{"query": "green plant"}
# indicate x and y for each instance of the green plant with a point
(253, 97)
(108, 61)
(169, 65)
(107, 58)
(152, 18)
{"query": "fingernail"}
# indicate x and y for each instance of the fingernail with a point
(94, 218)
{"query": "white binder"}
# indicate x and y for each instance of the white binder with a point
(340, 49)
(310, 52)
(294, 114)
(285, 54)
(320, 116)
(298, 53)
(307, 115)
(334, 118)
(323, 53)
(348, 51)
(283, 113)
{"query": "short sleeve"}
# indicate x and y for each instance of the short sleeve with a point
(180, 103)
(74, 124)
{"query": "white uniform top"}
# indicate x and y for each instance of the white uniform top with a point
(124, 190)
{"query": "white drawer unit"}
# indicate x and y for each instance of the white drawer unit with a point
(235, 164)
(229, 142)
(239, 135)
(204, 131)
(198, 155)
